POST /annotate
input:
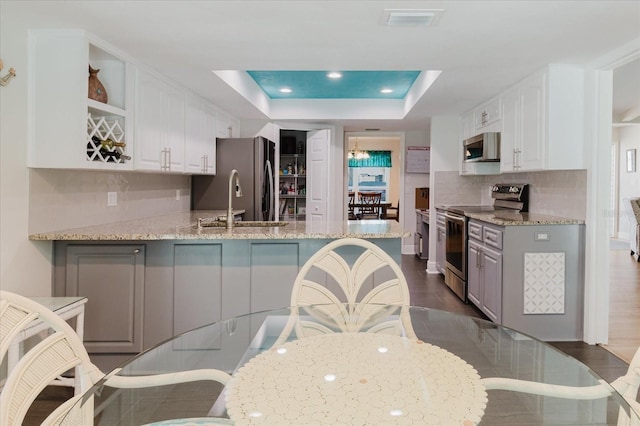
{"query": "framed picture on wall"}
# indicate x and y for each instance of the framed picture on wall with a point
(631, 160)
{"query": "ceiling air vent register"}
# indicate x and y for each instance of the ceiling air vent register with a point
(411, 17)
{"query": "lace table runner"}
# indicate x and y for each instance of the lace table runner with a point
(356, 379)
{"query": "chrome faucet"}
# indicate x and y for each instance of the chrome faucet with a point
(230, 218)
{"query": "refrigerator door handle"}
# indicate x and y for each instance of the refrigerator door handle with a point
(269, 172)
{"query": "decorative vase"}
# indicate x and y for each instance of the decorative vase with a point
(97, 91)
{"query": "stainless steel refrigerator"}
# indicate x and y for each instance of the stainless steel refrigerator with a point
(254, 158)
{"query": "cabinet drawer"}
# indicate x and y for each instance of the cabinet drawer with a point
(492, 237)
(475, 230)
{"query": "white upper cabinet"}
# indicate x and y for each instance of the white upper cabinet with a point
(160, 125)
(67, 128)
(542, 125)
(147, 122)
(200, 144)
(487, 117)
(226, 126)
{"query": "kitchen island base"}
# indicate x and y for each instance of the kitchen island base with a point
(144, 292)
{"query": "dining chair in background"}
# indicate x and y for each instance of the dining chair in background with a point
(348, 266)
(371, 205)
(350, 206)
(60, 351)
(393, 212)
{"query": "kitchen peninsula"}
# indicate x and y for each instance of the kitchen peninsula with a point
(150, 279)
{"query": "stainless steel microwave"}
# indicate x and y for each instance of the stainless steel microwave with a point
(483, 147)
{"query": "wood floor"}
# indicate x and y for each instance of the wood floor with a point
(624, 304)
(429, 290)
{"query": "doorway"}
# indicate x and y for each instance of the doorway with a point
(624, 271)
(382, 172)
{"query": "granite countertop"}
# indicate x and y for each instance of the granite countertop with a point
(180, 226)
(523, 219)
(508, 218)
(424, 213)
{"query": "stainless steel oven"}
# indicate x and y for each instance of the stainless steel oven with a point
(511, 198)
(456, 253)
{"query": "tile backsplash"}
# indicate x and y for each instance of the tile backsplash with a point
(557, 193)
(63, 199)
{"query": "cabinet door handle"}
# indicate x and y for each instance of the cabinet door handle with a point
(478, 258)
(136, 251)
(169, 162)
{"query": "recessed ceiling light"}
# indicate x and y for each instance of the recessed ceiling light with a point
(385, 90)
(411, 17)
(334, 75)
(285, 90)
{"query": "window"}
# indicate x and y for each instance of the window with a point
(369, 179)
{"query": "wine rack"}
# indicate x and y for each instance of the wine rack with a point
(100, 129)
(63, 114)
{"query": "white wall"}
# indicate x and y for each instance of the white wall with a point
(411, 182)
(444, 154)
(24, 266)
(628, 183)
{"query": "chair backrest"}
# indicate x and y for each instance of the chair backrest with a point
(57, 353)
(354, 305)
(628, 385)
(60, 351)
(350, 206)
(371, 198)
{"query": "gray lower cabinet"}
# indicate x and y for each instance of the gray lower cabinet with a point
(529, 277)
(441, 244)
(484, 281)
(111, 277)
(142, 294)
(197, 286)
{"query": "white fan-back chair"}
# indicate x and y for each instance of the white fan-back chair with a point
(626, 385)
(350, 311)
(60, 351)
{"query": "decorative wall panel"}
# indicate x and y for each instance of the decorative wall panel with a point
(544, 283)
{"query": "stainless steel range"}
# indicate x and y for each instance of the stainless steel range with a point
(511, 198)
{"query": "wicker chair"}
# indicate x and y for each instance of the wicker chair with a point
(351, 310)
(627, 386)
(60, 351)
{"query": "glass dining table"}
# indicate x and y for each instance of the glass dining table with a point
(358, 365)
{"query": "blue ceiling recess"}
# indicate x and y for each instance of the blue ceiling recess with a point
(352, 84)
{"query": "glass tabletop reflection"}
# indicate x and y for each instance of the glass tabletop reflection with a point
(363, 364)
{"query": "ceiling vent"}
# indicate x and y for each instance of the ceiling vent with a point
(411, 17)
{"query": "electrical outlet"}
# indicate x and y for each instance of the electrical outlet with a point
(542, 236)
(112, 199)
(177, 195)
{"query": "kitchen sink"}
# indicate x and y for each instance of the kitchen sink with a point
(243, 224)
